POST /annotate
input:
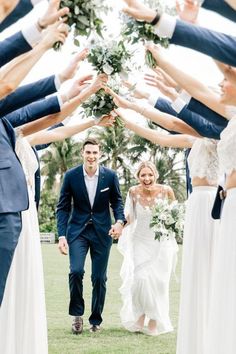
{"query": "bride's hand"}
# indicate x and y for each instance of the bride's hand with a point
(63, 246)
(118, 100)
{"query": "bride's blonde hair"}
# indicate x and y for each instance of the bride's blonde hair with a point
(150, 165)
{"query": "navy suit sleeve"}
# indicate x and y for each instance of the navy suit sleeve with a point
(27, 94)
(116, 199)
(221, 7)
(64, 207)
(206, 112)
(218, 45)
(13, 46)
(34, 111)
(196, 121)
(44, 146)
(21, 9)
(165, 106)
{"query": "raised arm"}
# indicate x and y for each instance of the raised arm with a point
(174, 141)
(165, 120)
(193, 86)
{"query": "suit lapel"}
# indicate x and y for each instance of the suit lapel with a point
(101, 181)
(82, 182)
(10, 131)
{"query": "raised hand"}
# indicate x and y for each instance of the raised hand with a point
(70, 71)
(106, 121)
(139, 11)
(188, 11)
(99, 83)
(118, 100)
(55, 33)
(135, 92)
(167, 79)
(52, 14)
(159, 82)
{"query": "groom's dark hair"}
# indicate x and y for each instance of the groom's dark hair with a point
(90, 141)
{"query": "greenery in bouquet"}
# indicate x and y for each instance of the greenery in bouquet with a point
(84, 17)
(168, 220)
(110, 58)
(135, 31)
(99, 105)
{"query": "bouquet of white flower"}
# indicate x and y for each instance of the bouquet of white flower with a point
(110, 58)
(85, 17)
(168, 219)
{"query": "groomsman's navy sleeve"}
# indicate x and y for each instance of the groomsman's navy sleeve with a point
(64, 207)
(207, 113)
(218, 45)
(34, 111)
(21, 9)
(13, 46)
(221, 7)
(196, 121)
(27, 94)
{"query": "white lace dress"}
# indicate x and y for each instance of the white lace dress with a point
(23, 327)
(221, 338)
(198, 250)
(146, 270)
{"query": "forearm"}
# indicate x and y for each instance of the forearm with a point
(60, 133)
(165, 120)
(15, 71)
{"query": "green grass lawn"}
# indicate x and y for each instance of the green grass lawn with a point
(113, 338)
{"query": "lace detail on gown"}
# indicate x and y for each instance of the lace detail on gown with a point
(203, 160)
(227, 147)
(146, 269)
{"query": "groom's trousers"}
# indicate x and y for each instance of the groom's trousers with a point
(99, 252)
(10, 228)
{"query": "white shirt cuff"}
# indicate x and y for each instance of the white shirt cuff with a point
(60, 101)
(35, 2)
(178, 105)
(61, 237)
(152, 99)
(32, 35)
(165, 26)
(185, 96)
(57, 82)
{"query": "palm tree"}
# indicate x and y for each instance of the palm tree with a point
(58, 159)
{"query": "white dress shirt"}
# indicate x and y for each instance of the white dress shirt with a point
(91, 185)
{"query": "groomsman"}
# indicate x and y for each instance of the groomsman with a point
(218, 45)
(84, 223)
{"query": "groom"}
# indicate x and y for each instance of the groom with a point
(86, 225)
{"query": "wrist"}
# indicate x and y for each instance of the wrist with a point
(121, 222)
(150, 16)
(41, 24)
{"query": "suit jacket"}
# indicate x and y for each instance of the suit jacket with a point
(221, 7)
(13, 46)
(13, 188)
(27, 94)
(71, 221)
(218, 45)
(21, 9)
(34, 111)
(204, 125)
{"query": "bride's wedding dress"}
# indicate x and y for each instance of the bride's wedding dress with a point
(145, 271)
(23, 326)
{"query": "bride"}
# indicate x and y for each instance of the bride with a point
(147, 263)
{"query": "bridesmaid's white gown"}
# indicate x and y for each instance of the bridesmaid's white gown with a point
(145, 272)
(23, 326)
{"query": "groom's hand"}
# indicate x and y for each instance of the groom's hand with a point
(116, 231)
(63, 245)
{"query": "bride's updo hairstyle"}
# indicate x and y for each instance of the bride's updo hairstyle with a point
(150, 165)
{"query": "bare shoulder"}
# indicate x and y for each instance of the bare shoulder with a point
(133, 191)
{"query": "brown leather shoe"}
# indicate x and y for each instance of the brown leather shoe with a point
(95, 328)
(77, 325)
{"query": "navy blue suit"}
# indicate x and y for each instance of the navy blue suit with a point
(13, 199)
(221, 7)
(217, 45)
(27, 94)
(21, 9)
(13, 46)
(85, 228)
